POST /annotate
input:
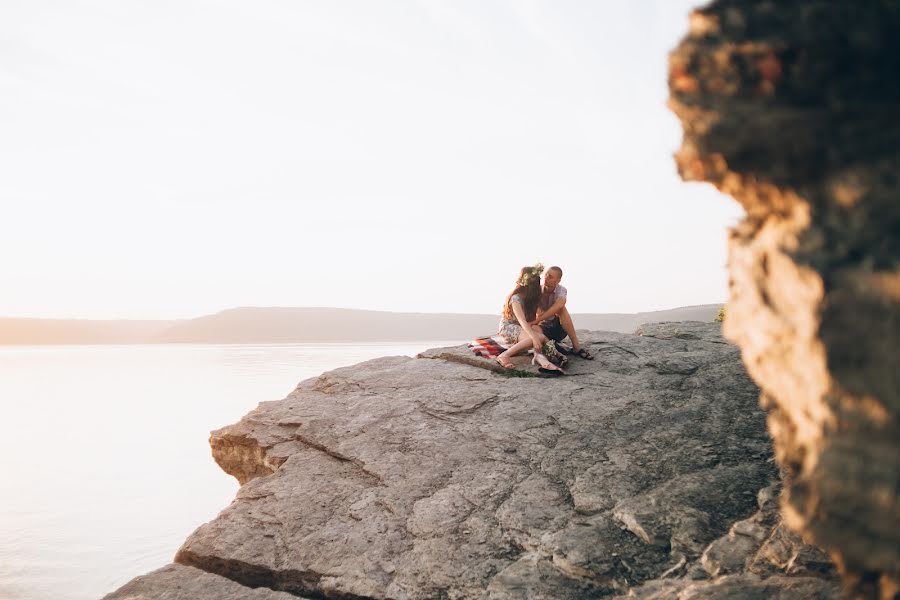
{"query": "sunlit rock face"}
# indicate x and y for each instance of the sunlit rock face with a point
(435, 477)
(793, 108)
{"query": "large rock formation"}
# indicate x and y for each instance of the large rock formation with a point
(435, 477)
(177, 582)
(792, 108)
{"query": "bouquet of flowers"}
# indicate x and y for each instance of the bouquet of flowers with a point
(558, 358)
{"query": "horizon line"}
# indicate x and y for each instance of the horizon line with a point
(336, 308)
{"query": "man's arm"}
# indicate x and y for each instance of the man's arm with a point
(519, 311)
(553, 310)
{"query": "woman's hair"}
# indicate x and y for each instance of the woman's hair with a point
(528, 287)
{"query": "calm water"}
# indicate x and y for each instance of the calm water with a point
(105, 462)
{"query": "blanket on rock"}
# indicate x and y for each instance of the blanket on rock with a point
(489, 347)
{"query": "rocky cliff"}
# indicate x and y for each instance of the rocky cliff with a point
(646, 471)
(791, 108)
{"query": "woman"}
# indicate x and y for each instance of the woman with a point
(518, 325)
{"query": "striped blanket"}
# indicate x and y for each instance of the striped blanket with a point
(488, 347)
(491, 347)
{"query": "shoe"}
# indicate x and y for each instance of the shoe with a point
(563, 349)
(505, 362)
(545, 366)
(583, 354)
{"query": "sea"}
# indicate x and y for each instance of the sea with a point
(106, 465)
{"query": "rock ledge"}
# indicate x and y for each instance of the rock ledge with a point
(430, 477)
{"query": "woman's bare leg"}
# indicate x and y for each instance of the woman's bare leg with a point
(524, 343)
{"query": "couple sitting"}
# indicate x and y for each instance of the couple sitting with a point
(535, 316)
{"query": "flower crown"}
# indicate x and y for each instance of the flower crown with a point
(531, 273)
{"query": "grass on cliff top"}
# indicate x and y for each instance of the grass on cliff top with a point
(518, 373)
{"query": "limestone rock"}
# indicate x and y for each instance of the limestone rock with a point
(763, 545)
(431, 477)
(742, 587)
(791, 108)
(177, 582)
(439, 477)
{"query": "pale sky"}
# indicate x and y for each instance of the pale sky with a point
(168, 159)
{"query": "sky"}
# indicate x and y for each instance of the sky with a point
(167, 159)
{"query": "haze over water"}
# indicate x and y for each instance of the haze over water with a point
(297, 154)
(106, 461)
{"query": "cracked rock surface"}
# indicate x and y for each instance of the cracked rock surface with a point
(412, 478)
(177, 582)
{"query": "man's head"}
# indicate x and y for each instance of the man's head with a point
(551, 278)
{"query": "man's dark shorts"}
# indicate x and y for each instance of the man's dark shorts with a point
(554, 330)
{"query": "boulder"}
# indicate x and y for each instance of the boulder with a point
(791, 108)
(434, 477)
(738, 587)
(177, 582)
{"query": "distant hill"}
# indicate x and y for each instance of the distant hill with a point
(293, 325)
(15, 331)
(627, 323)
(281, 325)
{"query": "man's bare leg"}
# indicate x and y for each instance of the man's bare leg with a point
(565, 319)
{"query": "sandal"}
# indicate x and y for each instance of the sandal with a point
(549, 349)
(505, 362)
(583, 354)
(545, 366)
(563, 349)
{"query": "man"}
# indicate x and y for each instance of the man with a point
(555, 320)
